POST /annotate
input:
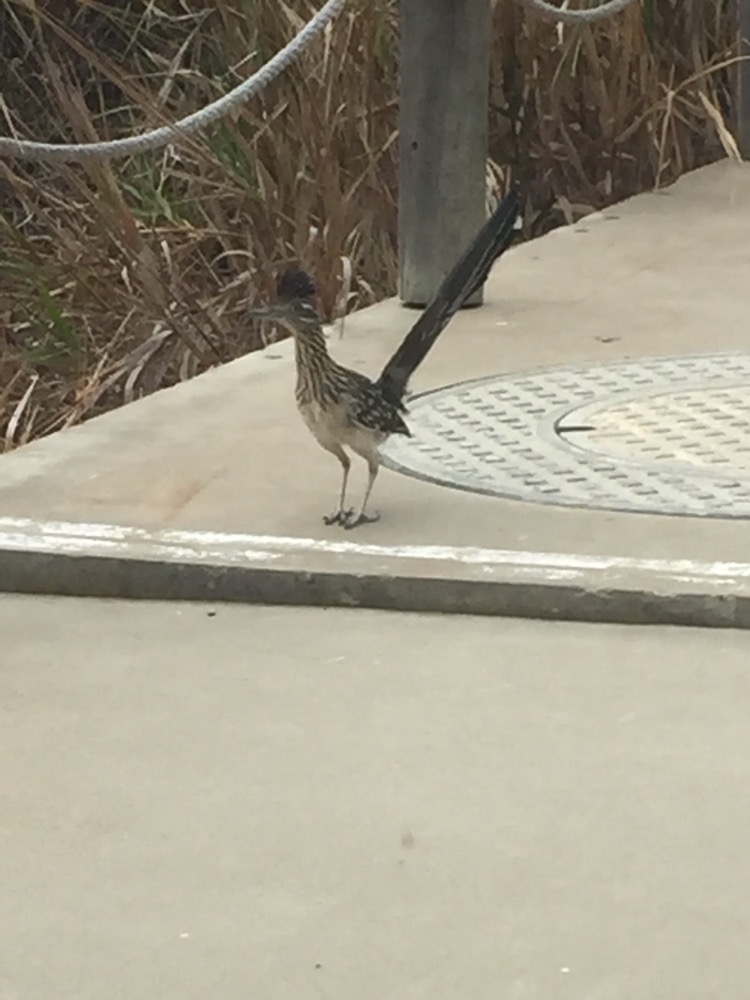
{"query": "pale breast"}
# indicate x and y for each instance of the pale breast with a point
(327, 423)
(331, 425)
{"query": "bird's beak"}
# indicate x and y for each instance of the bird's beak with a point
(275, 312)
(261, 312)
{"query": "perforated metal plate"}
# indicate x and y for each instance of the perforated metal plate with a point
(666, 435)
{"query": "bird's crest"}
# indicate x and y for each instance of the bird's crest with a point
(295, 284)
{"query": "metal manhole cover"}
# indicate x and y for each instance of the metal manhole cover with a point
(663, 435)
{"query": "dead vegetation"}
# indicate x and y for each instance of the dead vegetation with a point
(120, 278)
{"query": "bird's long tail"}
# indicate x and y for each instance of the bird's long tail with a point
(466, 276)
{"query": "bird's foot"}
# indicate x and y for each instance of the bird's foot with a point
(354, 521)
(339, 516)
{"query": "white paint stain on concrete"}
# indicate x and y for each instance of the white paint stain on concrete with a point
(237, 548)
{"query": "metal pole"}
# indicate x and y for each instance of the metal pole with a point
(445, 58)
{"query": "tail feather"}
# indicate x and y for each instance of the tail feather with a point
(465, 278)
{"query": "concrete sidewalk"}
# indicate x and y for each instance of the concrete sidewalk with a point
(244, 802)
(215, 489)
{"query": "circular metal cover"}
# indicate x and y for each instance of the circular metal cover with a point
(664, 435)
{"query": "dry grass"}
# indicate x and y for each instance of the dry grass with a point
(117, 279)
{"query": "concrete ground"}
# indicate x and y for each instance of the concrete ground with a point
(221, 471)
(213, 801)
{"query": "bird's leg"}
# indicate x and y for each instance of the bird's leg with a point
(354, 521)
(341, 515)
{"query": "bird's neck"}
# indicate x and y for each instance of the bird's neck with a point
(313, 361)
(310, 344)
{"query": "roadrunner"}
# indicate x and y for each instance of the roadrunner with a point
(344, 409)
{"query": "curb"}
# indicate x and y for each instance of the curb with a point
(115, 561)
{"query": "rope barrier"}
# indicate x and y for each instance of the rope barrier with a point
(157, 138)
(584, 16)
(186, 126)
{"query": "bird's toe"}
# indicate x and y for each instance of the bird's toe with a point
(360, 519)
(339, 516)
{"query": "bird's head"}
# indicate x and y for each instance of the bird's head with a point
(294, 307)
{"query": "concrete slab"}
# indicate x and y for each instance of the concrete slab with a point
(226, 454)
(211, 801)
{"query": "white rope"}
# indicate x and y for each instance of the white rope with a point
(192, 123)
(582, 16)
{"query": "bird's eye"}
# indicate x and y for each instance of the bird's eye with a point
(307, 312)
